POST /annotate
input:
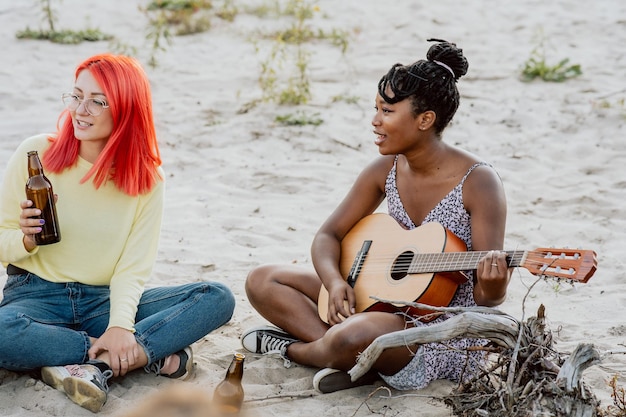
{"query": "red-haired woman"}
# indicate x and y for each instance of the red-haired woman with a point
(77, 309)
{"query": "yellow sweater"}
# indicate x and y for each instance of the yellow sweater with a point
(107, 237)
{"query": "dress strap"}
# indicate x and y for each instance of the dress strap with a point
(469, 171)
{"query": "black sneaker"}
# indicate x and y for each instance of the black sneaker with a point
(268, 340)
(184, 371)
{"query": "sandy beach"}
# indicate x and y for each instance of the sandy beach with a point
(244, 190)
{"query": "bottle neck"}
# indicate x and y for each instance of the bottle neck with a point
(235, 370)
(34, 165)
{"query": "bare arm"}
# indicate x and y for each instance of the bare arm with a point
(485, 200)
(363, 198)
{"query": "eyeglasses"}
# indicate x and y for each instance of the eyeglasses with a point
(94, 106)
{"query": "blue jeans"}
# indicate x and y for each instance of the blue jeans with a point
(48, 324)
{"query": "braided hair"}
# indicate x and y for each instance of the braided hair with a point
(429, 83)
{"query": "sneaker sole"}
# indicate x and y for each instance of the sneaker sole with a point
(84, 393)
(331, 380)
(52, 378)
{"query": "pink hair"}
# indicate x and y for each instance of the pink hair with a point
(131, 156)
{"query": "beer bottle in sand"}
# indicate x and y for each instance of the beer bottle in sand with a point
(228, 395)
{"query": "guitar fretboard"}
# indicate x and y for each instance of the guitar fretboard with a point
(457, 261)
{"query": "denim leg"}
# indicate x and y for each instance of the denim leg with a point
(171, 318)
(36, 325)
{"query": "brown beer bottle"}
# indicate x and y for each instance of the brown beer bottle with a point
(39, 191)
(228, 395)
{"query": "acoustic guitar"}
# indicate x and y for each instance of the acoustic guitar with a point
(380, 258)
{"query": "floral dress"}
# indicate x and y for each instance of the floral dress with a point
(447, 360)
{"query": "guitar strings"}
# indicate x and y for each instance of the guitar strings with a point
(564, 263)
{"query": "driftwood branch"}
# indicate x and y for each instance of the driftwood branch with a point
(500, 329)
(524, 376)
(584, 356)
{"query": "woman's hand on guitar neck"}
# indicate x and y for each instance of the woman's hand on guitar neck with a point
(493, 275)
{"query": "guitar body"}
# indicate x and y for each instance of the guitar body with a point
(382, 273)
(381, 259)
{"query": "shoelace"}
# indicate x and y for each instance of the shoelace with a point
(273, 344)
(155, 367)
(158, 365)
(108, 374)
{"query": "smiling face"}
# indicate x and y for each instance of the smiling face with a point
(395, 126)
(92, 131)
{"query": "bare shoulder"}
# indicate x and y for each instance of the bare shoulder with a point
(378, 169)
(382, 163)
(481, 175)
(482, 185)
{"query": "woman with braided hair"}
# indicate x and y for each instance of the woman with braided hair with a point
(423, 179)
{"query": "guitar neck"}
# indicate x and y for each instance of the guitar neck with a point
(457, 261)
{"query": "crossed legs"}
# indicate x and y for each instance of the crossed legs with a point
(287, 295)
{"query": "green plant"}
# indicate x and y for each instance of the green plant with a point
(297, 90)
(60, 36)
(49, 14)
(289, 54)
(345, 99)
(536, 66)
(228, 11)
(184, 17)
(158, 34)
(299, 119)
(168, 18)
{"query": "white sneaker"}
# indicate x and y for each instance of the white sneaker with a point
(54, 375)
(85, 384)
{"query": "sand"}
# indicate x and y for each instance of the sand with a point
(243, 190)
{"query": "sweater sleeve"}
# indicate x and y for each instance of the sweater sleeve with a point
(137, 259)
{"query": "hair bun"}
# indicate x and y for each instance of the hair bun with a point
(450, 55)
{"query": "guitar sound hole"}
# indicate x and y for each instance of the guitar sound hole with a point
(401, 265)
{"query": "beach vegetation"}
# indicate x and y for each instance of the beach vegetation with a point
(299, 119)
(345, 98)
(611, 101)
(64, 36)
(169, 18)
(536, 66)
(181, 17)
(284, 75)
(618, 409)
